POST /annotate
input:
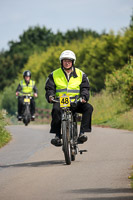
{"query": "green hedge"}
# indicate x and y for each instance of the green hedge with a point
(5, 137)
(122, 82)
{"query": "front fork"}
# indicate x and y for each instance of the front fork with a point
(72, 137)
(74, 133)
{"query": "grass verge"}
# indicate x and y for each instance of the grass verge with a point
(5, 136)
(111, 110)
(131, 178)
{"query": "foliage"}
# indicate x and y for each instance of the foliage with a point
(44, 63)
(106, 106)
(38, 50)
(9, 101)
(4, 135)
(41, 101)
(96, 57)
(122, 82)
(34, 40)
(110, 110)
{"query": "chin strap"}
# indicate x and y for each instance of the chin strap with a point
(67, 68)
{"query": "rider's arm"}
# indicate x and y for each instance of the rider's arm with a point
(35, 89)
(84, 88)
(19, 88)
(50, 87)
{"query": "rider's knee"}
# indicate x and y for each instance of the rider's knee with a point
(89, 108)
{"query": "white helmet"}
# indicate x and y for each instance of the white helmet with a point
(68, 54)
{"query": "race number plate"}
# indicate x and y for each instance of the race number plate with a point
(65, 100)
(27, 100)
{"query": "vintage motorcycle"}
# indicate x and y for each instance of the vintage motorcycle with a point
(26, 110)
(69, 129)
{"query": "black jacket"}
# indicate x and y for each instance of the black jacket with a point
(50, 86)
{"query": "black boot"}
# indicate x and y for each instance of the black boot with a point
(82, 138)
(56, 141)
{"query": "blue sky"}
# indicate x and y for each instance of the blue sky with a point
(16, 16)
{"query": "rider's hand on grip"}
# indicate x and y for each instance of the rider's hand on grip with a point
(17, 93)
(35, 95)
(51, 98)
(82, 100)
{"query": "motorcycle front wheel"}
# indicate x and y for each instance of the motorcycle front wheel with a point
(66, 141)
(26, 115)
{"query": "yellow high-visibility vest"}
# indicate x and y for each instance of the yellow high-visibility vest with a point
(27, 89)
(63, 86)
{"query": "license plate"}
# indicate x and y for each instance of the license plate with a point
(27, 100)
(65, 100)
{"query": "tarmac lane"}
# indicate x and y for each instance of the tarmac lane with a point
(31, 168)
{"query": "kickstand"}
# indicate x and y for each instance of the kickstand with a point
(81, 151)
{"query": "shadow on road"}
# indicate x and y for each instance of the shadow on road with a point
(109, 198)
(36, 164)
(114, 193)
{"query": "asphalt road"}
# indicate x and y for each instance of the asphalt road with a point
(32, 169)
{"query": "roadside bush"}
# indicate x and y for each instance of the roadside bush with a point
(122, 82)
(41, 101)
(5, 137)
(9, 101)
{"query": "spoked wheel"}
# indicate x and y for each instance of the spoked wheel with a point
(66, 142)
(26, 116)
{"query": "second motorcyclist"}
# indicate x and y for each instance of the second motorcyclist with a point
(26, 86)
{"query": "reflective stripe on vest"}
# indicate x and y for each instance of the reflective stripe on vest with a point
(63, 86)
(27, 89)
(68, 91)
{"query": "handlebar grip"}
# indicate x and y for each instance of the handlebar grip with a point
(55, 101)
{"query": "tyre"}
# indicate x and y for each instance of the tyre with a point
(26, 120)
(26, 116)
(74, 141)
(66, 142)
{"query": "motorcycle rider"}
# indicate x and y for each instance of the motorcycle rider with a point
(70, 80)
(26, 86)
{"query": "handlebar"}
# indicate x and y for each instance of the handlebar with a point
(57, 100)
(24, 94)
